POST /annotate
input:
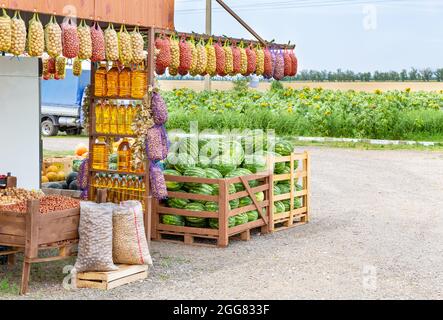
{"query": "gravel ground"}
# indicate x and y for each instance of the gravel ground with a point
(63, 144)
(376, 233)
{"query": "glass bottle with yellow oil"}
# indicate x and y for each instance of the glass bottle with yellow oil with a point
(106, 123)
(129, 119)
(100, 154)
(125, 82)
(99, 117)
(100, 81)
(112, 81)
(121, 126)
(139, 82)
(113, 128)
(124, 156)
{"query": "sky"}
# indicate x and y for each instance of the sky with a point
(353, 35)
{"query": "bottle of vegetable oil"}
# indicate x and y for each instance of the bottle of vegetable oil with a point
(124, 156)
(95, 185)
(136, 188)
(99, 117)
(117, 187)
(131, 191)
(125, 83)
(112, 81)
(124, 189)
(107, 118)
(114, 119)
(110, 188)
(142, 192)
(129, 117)
(139, 82)
(100, 154)
(121, 119)
(100, 81)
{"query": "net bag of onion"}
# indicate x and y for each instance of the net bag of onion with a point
(185, 57)
(236, 57)
(53, 38)
(220, 58)
(158, 184)
(129, 238)
(252, 60)
(98, 43)
(211, 67)
(70, 40)
(111, 43)
(125, 46)
(288, 63)
(138, 44)
(5, 31)
(84, 36)
(164, 55)
(243, 59)
(18, 35)
(229, 66)
(268, 71)
(36, 37)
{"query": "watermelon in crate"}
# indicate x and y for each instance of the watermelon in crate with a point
(284, 148)
(204, 189)
(241, 219)
(177, 203)
(279, 207)
(246, 201)
(195, 221)
(172, 185)
(223, 164)
(213, 223)
(252, 215)
(182, 162)
(194, 172)
(173, 220)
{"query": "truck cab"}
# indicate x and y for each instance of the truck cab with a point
(61, 106)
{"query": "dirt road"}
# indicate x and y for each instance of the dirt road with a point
(376, 232)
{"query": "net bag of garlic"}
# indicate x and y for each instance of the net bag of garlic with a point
(137, 44)
(18, 35)
(125, 46)
(211, 67)
(129, 238)
(36, 37)
(95, 230)
(98, 43)
(158, 184)
(5, 31)
(53, 38)
(111, 42)
(70, 40)
(84, 36)
(185, 57)
(220, 58)
(164, 55)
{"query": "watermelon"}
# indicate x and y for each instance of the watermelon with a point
(189, 147)
(297, 204)
(277, 190)
(182, 162)
(252, 215)
(177, 203)
(64, 185)
(173, 220)
(241, 172)
(223, 164)
(71, 177)
(74, 186)
(279, 207)
(200, 224)
(55, 186)
(213, 223)
(298, 187)
(286, 170)
(283, 147)
(205, 189)
(254, 140)
(194, 172)
(241, 219)
(213, 174)
(211, 206)
(284, 188)
(213, 148)
(246, 201)
(236, 152)
(195, 221)
(171, 185)
(255, 163)
(260, 196)
(234, 204)
(204, 162)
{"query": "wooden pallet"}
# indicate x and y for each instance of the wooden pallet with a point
(109, 280)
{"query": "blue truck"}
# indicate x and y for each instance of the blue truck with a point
(61, 104)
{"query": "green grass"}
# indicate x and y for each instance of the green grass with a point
(7, 287)
(367, 146)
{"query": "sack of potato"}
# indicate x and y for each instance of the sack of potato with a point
(18, 35)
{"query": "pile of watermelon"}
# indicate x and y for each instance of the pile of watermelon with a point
(217, 159)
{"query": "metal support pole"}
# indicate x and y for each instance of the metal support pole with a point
(208, 32)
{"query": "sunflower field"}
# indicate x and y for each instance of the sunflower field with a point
(312, 112)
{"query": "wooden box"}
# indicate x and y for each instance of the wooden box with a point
(299, 175)
(221, 236)
(109, 280)
(62, 163)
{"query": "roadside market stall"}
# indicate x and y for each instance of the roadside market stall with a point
(126, 117)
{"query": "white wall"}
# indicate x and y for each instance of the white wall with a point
(20, 120)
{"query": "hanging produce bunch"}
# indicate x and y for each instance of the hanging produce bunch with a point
(125, 46)
(70, 40)
(53, 38)
(111, 41)
(18, 35)
(84, 35)
(137, 44)
(5, 31)
(98, 43)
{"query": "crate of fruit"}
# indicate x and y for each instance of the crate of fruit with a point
(206, 208)
(290, 192)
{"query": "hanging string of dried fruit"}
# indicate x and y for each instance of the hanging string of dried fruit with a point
(70, 41)
(111, 43)
(164, 56)
(85, 107)
(53, 38)
(138, 46)
(236, 58)
(85, 39)
(193, 68)
(288, 63)
(143, 121)
(243, 59)
(202, 58)
(252, 60)
(268, 70)
(45, 72)
(60, 68)
(77, 67)
(185, 57)
(229, 67)
(125, 46)
(18, 35)
(36, 37)
(211, 67)
(5, 31)
(175, 55)
(260, 54)
(279, 70)
(98, 43)
(220, 58)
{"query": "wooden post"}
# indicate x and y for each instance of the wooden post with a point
(31, 244)
(208, 31)
(306, 184)
(223, 223)
(155, 235)
(151, 56)
(292, 199)
(91, 129)
(270, 210)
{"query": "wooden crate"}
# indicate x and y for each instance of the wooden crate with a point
(32, 232)
(220, 237)
(295, 216)
(109, 280)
